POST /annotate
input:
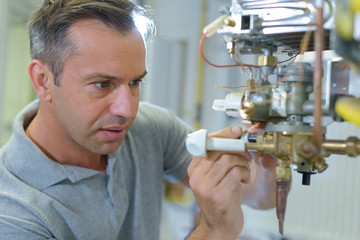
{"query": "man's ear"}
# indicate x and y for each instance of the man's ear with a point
(42, 79)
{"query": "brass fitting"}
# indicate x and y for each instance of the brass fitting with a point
(292, 149)
(229, 22)
(270, 61)
(247, 110)
(264, 143)
(351, 146)
(283, 172)
(320, 165)
(250, 83)
(231, 47)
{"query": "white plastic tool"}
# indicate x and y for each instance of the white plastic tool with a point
(197, 144)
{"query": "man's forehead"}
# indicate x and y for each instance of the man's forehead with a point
(96, 27)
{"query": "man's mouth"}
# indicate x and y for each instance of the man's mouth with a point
(114, 133)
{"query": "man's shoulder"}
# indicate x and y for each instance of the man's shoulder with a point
(147, 108)
(154, 119)
(149, 113)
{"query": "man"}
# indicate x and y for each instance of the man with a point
(80, 166)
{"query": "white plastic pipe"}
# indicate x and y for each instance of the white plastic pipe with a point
(197, 144)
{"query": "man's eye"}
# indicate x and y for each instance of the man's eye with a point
(102, 85)
(136, 82)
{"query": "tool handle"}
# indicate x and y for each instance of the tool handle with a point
(197, 144)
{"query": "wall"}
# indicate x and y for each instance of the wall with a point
(18, 90)
(15, 86)
(3, 42)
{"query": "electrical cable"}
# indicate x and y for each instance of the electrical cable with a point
(289, 59)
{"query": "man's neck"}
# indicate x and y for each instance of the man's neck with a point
(62, 151)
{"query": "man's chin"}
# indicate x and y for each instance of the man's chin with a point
(107, 148)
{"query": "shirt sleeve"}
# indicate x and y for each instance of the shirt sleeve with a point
(21, 228)
(176, 157)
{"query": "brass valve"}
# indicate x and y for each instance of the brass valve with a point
(247, 110)
(290, 148)
(270, 61)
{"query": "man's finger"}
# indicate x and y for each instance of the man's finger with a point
(229, 132)
(223, 165)
(235, 177)
(202, 165)
(193, 165)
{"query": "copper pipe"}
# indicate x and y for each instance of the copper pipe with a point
(309, 148)
(282, 189)
(319, 38)
(283, 180)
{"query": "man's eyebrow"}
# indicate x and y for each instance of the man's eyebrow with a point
(110, 77)
(142, 75)
(100, 76)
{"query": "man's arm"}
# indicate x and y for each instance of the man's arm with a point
(221, 182)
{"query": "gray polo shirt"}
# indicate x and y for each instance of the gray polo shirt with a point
(42, 199)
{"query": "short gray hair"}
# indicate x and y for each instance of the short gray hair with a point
(49, 26)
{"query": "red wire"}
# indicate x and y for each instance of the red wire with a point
(218, 66)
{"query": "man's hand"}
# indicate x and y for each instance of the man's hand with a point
(217, 182)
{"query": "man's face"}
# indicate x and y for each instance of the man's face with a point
(98, 97)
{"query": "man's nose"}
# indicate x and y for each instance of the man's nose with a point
(124, 102)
